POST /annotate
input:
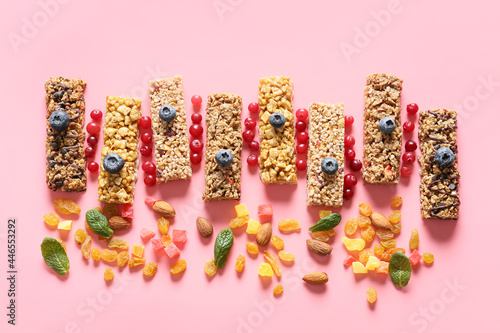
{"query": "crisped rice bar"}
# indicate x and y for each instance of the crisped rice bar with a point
(120, 137)
(223, 132)
(326, 139)
(439, 186)
(64, 150)
(382, 152)
(277, 147)
(170, 138)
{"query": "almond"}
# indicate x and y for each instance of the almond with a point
(118, 223)
(164, 209)
(380, 221)
(316, 278)
(204, 227)
(318, 247)
(264, 234)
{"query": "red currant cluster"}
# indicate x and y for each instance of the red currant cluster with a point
(196, 131)
(146, 150)
(249, 134)
(302, 136)
(410, 145)
(350, 180)
(93, 130)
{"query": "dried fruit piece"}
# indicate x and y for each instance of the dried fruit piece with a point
(414, 239)
(55, 256)
(363, 221)
(396, 228)
(326, 223)
(372, 263)
(378, 249)
(179, 236)
(137, 250)
(63, 245)
(80, 236)
(223, 244)
(163, 225)
(383, 268)
(365, 254)
(318, 247)
(324, 213)
(178, 267)
(386, 256)
(253, 227)
(368, 233)
(118, 243)
(355, 244)
(278, 290)
(316, 278)
(321, 236)
(277, 242)
(264, 234)
(400, 269)
(240, 263)
(96, 254)
(350, 227)
(349, 260)
(365, 209)
(66, 206)
(109, 274)
(289, 225)
(394, 217)
(385, 234)
(358, 268)
(166, 240)
(286, 256)
(265, 269)
(252, 248)
(135, 261)
(415, 257)
(380, 221)
(273, 261)
(210, 267)
(265, 211)
(157, 244)
(330, 232)
(109, 255)
(396, 202)
(98, 223)
(51, 219)
(127, 210)
(371, 295)
(86, 247)
(122, 258)
(388, 243)
(241, 210)
(110, 209)
(428, 257)
(150, 201)
(172, 250)
(150, 269)
(64, 225)
(204, 227)
(238, 222)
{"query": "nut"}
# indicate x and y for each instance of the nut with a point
(380, 221)
(264, 234)
(118, 223)
(164, 209)
(316, 278)
(318, 247)
(204, 227)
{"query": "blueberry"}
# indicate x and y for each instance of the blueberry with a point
(277, 120)
(224, 157)
(113, 163)
(444, 157)
(59, 120)
(167, 113)
(387, 125)
(329, 165)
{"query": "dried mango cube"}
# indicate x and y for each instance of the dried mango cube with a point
(355, 244)
(172, 250)
(179, 236)
(384, 267)
(265, 211)
(415, 257)
(265, 269)
(137, 250)
(372, 263)
(324, 213)
(241, 210)
(157, 244)
(358, 268)
(252, 227)
(64, 225)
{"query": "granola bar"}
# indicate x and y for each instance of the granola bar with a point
(120, 137)
(326, 140)
(64, 150)
(382, 152)
(439, 185)
(171, 140)
(277, 147)
(223, 132)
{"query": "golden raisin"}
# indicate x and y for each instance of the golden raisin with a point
(96, 254)
(210, 267)
(428, 257)
(86, 245)
(364, 254)
(252, 248)
(363, 221)
(350, 227)
(109, 274)
(388, 243)
(109, 255)
(289, 225)
(122, 258)
(51, 219)
(137, 250)
(273, 261)
(63, 245)
(240, 263)
(110, 209)
(135, 261)
(324, 213)
(378, 249)
(396, 228)
(368, 233)
(178, 267)
(239, 221)
(286, 256)
(414, 239)
(385, 234)
(150, 269)
(322, 236)
(118, 243)
(66, 206)
(80, 236)
(365, 209)
(278, 290)
(371, 295)
(166, 240)
(265, 269)
(277, 242)
(386, 256)
(396, 202)
(394, 217)
(163, 225)
(330, 232)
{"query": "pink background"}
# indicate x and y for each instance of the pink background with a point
(444, 50)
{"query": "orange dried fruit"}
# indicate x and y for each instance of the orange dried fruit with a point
(277, 242)
(273, 261)
(388, 243)
(96, 254)
(109, 255)
(118, 243)
(122, 258)
(378, 249)
(365, 209)
(385, 234)
(109, 274)
(365, 254)
(80, 236)
(210, 267)
(289, 225)
(252, 248)
(286, 256)
(396, 202)
(166, 240)
(240, 263)
(368, 233)
(322, 236)
(163, 225)
(396, 228)
(350, 227)
(386, 256)
(86, 245)
(135, 261)
(363, 221)
(371, 295)
(278, 290)
(178, 267)
(394, 217)
(66, 206)
(51, 219)
(150, 269)
(414, 239)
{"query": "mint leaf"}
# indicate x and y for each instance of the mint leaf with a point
(98, 223)
(54, 255)
(400, 269)
(326, 223)
(223, 244)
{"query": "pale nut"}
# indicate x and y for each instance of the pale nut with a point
(380, 221)
(316, 278)
(118, 223)
(319, 247)
(204, 227)
(164, 209)
(264, 234)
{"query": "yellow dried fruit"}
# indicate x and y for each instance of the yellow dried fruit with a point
(324, 213)
(109, 255)
(86, 247)
(96, 254)
(118, 243)
(365, 254)
(273, 261)
(51, 219)
(135, 261)
(238, 222)
(265, 269)
(137, 250)
(355, 244)
(80, 236)
(278, 290)
(63, 245)
(66, 206)
(378, 249)
(277, 242)
(394, 217)
(396, 202)
(240, 263)
(428, 257)
(330, 232)
(371, 295)
(363, 221)
(122, 258)
(350, 227)
(163, 225)
(289, 225)
(166, 240)
(178, 267)
(414, 239)
(109, 274)
(368, 233)
(385, 234)
(210, 267)
(252, 248)
(322, 236)
(286, 256)
(396, 228)
(388, 243)
(365, 209)
(150, 269)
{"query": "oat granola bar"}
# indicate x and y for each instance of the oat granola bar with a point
(223, 132)
(382, 152)
(121, 137)
(439, 185)
(170, 138)
(326, 140)
(277, 145)
(64, 150)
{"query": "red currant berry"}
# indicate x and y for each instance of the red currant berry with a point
(408, 126)
(410, 145)
(92, 140)
(196, 118)
(250, 123)
(254, 145)
(412, 108)
(350, 154)
(252, 159)
(93, 167)
(149, 167)
(302, 148)
(90, 151)
(405, 171)
(349, 141)
(253, 107)
(302, 137)
(301, 164)
(145, 122)
(348, 193)
(196, 130)
(349, 120)
(146, 150)
(355, 165)
(149, 180)
(146, 137)
(195, 158)
(301, 126)
(302, 114)
(409, 157)
(196, 100)
(350, 180)
(96, 114)
(248, 135)
(93, 128)
(196, 146)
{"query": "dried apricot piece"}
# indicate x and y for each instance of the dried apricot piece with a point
(278, 290)
(365, 209)
(396, 202)
(322, 236)
(137, 250)
(239, 222)
(51, 219)
(210, 267)
(122, 258)
(289, 225)
(265, 269)
(414, 239)
(286, 256)
(166, 240)
(118, 243)
(324, 213)
(273, 261)
(365, 254)
(96, 254)
(240, 263)
(135, 261)
(428, 257)
(252, 248)
(178, 267)
(378, 249)
(383, 268)
(394, 217)
(384, 234)
(388, 243)
(277, 242)
(163, 224)
(371, 295)
(66, 206)
(368, 233)
(150, 269)
(396, 228)
(86, 247)
(109, 255)
(80, 236)
(109, 274)
(350, 227)
(363, 221)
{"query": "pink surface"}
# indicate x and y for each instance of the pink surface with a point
(445, 51)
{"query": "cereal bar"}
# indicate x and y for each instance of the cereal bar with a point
(223, 174)
(277, 147)
(64, 145)
(117, 181)
(439, 174)
(326, 142)
(170, 137)
(382, 151)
